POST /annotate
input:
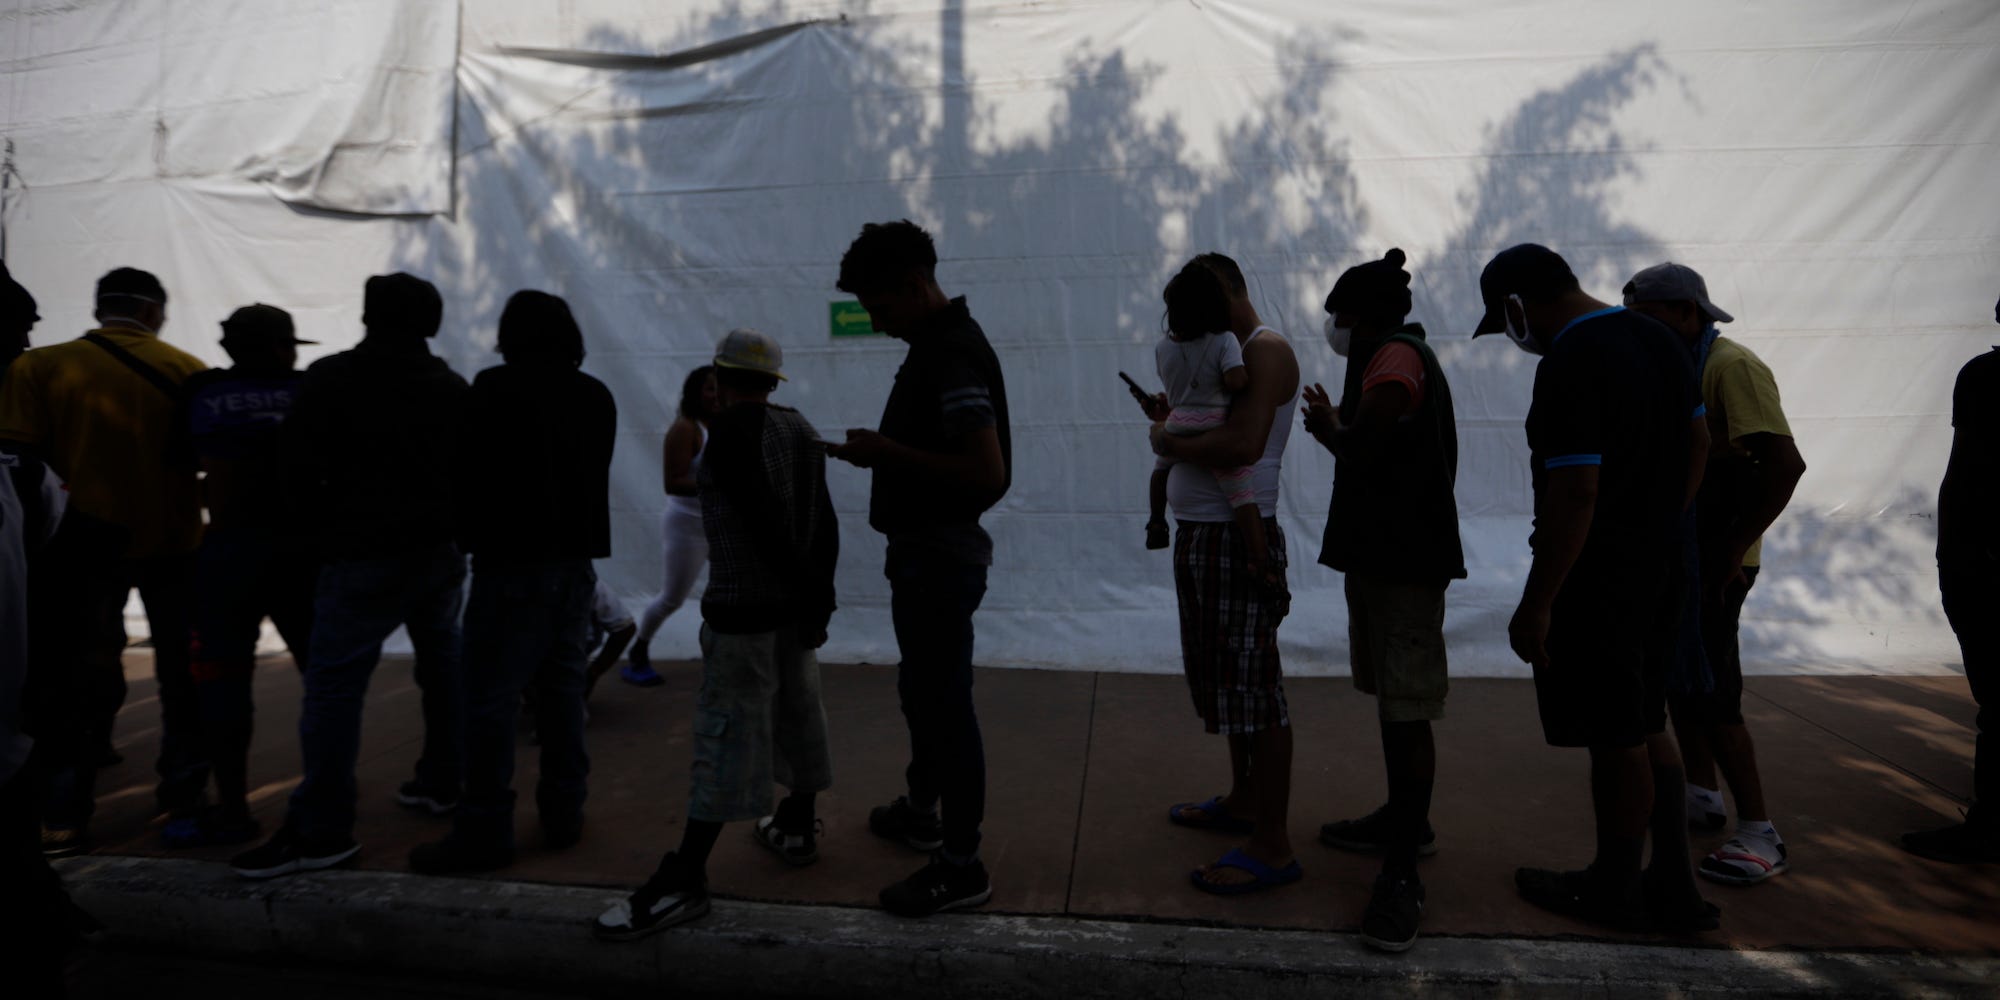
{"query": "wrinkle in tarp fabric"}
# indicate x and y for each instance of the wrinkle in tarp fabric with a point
(678, 170)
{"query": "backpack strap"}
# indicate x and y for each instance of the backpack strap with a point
(140, 368)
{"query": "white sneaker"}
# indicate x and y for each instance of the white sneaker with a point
(1705, 811)
(1745, 860)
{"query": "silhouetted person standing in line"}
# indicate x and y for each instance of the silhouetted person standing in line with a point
(1969, 577)
(370, 445)
(534, 463)
(255, 559)
(774, 544)
(18, 315)
(942, 457)
(99, 410)
(1393, 531)
(1753, 466)
(1618, 446)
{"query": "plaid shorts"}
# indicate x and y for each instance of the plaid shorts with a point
(758, 721)
(1229, 628)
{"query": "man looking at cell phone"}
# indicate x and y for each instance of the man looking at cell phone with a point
(1393, 531)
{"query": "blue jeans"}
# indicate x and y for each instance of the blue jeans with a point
(931, 602)
(359, 603)
(525, 626)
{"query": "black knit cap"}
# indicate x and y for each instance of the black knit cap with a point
(401, 303)
(1378, 291)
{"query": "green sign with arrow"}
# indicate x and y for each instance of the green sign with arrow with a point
(848, 319)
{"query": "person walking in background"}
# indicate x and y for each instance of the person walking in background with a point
(1229, 613)
(531, 539)
(770, 595)
(942, 457)
(1392, 530)
(99, 410)
(611, 631)
(684, 546)
(1968, 555)
(1618, 444)
(370, 448)
(255, 559)
(1753, 467)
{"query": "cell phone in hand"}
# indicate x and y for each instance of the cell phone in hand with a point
(1145, 398)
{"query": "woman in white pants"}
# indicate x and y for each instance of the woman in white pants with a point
(686, 547)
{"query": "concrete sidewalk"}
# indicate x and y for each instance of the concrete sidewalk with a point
(1085, 766)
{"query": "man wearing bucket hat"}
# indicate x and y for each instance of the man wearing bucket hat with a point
(1753, 466)
(1617, 446)
(773, 542)
(253, 561)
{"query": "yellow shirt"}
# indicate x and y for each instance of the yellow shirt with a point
(1742, 399)
(103, 428)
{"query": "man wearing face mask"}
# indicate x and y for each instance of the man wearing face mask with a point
(1751, 474)
(1393, 530)
(1618, 445)
(99, 410)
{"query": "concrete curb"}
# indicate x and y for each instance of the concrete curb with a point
(529, 934)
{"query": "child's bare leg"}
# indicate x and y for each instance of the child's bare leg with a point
(1156, 525)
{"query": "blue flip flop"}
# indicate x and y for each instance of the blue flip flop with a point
(1209, 816)
(1263, 876)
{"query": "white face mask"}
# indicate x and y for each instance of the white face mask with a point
(1522, 337)
(1340, 338)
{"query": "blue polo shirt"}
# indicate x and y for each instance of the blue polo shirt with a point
(1618, 391)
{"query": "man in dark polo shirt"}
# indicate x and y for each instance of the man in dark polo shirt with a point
(941, 458)
(1617, 452)
(1969, 576)
(1392, 530)
(255, 559)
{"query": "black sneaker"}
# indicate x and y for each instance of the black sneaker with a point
(286, 852)
(456, 856)
(1370, 835)
(1584, 896)
(1394, 911)
(937, 887)
(1958, 844)
(670, 897)
(417, 795)
(561, 835)
(797, 849)
(901, 821)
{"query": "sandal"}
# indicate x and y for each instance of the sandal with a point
(1209, 816)
(1262, 876)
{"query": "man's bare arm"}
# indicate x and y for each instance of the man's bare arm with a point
(1274, 375)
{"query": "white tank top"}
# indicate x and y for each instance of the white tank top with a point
(1192, 491)
(677, 504)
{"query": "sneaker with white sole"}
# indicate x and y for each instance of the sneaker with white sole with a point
(671, 897)
(1745, 860)
(417, 795)
(937, 887)
(287, 852)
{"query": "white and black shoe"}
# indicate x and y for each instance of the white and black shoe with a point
(417, 795)
(671, 897)
(797, 849)
(287, 852)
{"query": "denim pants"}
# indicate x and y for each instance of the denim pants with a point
(525, 626)
(359, 603)
(96, 690)
(242, 576)
(1971, 589)
(932, 599)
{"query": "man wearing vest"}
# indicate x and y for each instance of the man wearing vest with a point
(1393, 530)
(99, 410)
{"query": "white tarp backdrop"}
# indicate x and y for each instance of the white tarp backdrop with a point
(678, 169)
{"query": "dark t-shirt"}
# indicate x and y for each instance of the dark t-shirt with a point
(1617, 390)
(1975, 473)
(239, 418)
(950, 385)
(534, 465)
